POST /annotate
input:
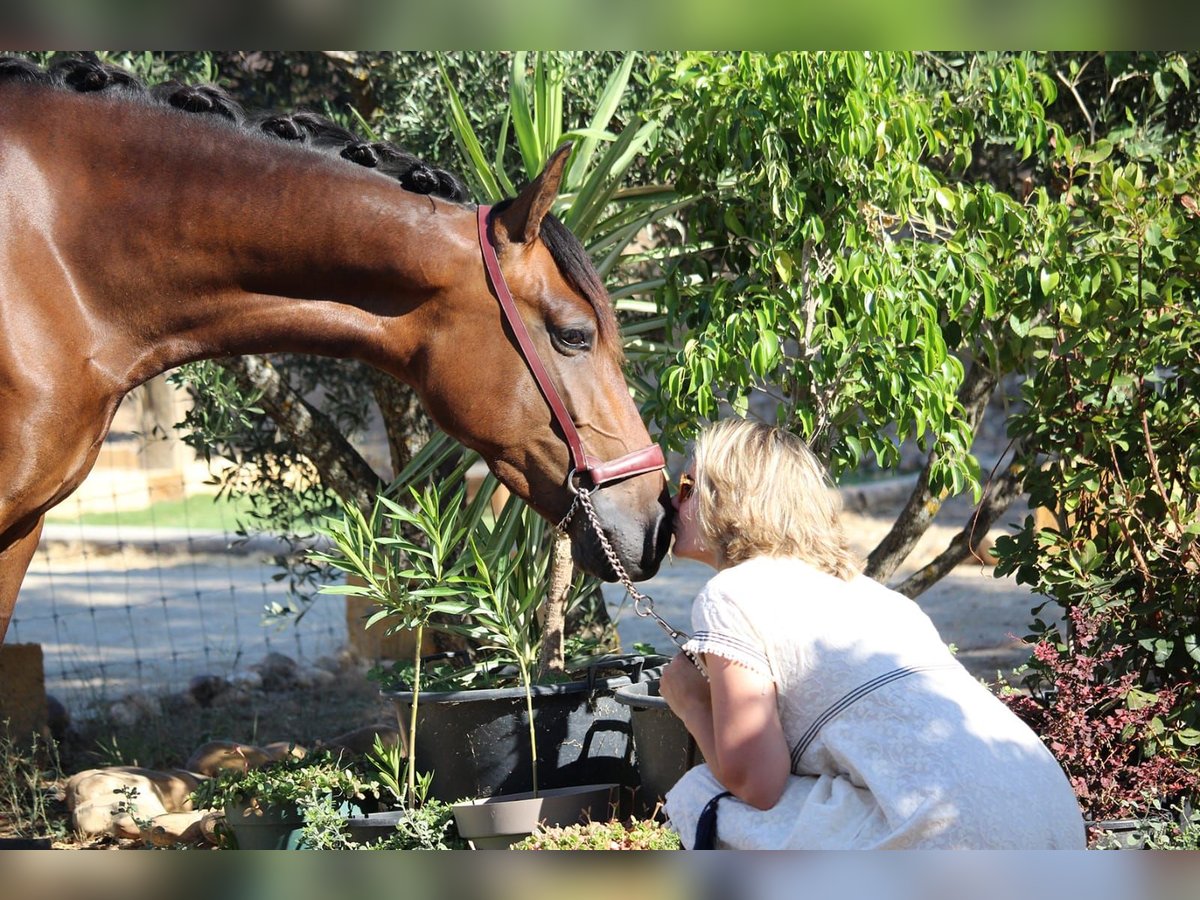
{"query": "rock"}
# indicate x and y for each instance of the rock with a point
(361, 740)
(312, 676)
(209, 759)
(278, 750)
(279, 672)
(134, 708)
(170, 829)
(58, 719)
(96, 797)
(123, 825)
(329, 664)
(246, 681)
(212, 827)
(206, 688)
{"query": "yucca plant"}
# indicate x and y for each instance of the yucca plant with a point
(439, 561)
(597, 202)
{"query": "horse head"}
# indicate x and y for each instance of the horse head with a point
(479, 386)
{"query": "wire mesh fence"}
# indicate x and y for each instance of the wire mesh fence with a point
(121, 601)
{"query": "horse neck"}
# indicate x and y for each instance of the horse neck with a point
(231, 244)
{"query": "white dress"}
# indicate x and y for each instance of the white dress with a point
(894, 744)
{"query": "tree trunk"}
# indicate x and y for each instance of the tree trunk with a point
(922, 507)
(342, 469)
(998, 497)
(407, 425)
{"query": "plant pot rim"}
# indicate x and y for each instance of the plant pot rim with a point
(583, 685)
(638, 696)
(544, 794)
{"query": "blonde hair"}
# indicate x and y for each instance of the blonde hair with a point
(761, 492)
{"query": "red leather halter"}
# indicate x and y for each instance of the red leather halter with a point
(639, 462)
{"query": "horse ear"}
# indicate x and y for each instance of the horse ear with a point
(522, 219)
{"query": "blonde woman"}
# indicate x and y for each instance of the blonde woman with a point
(831, 714)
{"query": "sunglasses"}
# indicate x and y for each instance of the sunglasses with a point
(687, 486)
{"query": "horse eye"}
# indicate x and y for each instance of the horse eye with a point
(573, 338)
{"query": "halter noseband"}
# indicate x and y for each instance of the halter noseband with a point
(639, 462)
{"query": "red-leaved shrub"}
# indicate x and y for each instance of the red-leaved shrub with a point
(1104, 731)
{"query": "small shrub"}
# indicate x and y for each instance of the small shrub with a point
(28, 787)
(1105, 730)
(298, 782)
(641, 834)
(427, 827)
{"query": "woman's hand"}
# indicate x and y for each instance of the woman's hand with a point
(686, 691)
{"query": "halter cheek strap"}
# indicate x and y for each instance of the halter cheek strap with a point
(639, 462)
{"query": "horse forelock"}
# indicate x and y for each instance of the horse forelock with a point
(576, 267)
(87, 74)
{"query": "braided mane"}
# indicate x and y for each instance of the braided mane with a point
(87, 74)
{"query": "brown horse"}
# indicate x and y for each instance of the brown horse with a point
(135, 236)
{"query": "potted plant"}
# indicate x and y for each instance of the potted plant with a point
(502, 720)
(266, 807)
(423, 561)
(411, 819)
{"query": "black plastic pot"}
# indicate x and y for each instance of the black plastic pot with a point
(371, 828)
(476, 743)
(663, 748)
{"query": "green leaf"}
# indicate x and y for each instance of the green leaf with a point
(783, 265)
(1048, 281)
(1098, 152)
(532, 152)
(468, 143)
(1191, 644)
(606, 108)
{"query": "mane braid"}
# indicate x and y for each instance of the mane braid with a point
(85, 73)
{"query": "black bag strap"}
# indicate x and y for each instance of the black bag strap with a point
(706, 825)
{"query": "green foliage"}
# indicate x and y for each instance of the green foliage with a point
(1112, 403)
(841, 266)
(1177, 828)
(28, 772)
(639, 834)
(427, 827)
(599, 201)
(444, 557)
(291, 781)
(444, 563)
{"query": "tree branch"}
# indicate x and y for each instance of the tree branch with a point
(342, 469)
(922, 507)
(999, 496)
(1071, 86)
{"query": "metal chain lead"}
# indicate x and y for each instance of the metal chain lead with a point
(643, 605)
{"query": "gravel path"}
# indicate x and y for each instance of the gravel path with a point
(117, 617)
